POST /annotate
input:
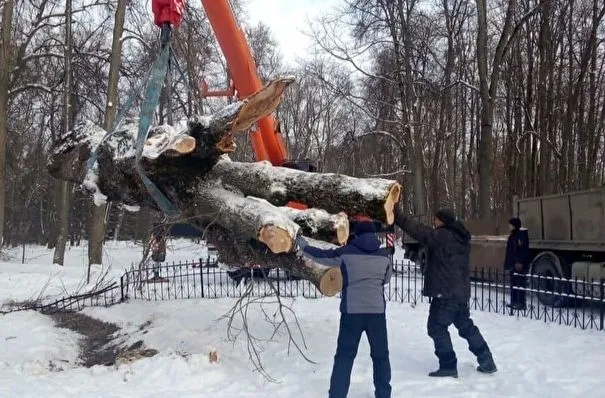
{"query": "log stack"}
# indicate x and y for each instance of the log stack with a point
(241, 206)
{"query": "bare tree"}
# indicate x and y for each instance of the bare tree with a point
(68, 108)
(5, 72)
(488, 84)
(97, 226)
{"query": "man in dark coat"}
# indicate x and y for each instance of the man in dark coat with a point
(517, 262)
(447, 282)
(366, 268)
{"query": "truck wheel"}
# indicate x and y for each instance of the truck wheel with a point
(547, 271)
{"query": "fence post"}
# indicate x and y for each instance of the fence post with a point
(121, 288)
(202, 277)
(602, 306)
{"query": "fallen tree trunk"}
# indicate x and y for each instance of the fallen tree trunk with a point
(240, 252)
(334, 193)
(244, 216)
(189, 166)
(320, 225)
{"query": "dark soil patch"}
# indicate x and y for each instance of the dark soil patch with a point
(96, 348)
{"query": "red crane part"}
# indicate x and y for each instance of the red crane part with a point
(167, 11)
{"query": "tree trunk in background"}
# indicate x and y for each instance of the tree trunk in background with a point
(488, 87)
(65, 187)
(541, 123)
(5, 73)
(484, 155)
(97, 227)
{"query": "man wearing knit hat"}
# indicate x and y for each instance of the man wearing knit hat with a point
(516, 262)
(366, 268)
(447, 282)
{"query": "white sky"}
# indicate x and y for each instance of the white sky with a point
(287, 20)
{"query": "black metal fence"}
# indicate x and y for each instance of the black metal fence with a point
(102, 297)
(569, 302)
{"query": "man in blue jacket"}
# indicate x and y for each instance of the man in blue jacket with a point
(517, 262)
(366, 268)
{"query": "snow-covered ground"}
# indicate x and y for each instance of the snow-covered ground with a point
(535, 360)
(38, 359)
(38, 277)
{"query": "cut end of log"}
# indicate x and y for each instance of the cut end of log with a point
(341, 224)
(277, 239)
(331, 282)
(391, 202)
(165, 140)
(261, 104)
(184, 144)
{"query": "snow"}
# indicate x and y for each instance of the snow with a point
(38, 278)
(155, 144)
(30, 345)
(203, 120)
(227, 112)
(90, 183)
(535, 359)
(131, 209)
(185, 332)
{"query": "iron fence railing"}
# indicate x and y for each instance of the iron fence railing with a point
(570, 302)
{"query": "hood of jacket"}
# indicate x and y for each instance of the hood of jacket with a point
(367, 242)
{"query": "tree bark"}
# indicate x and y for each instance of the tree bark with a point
(5, 74)
(97, 226)
(334, 193)
(64, 198)
(240, 252)
(320, 225)
(68, 108)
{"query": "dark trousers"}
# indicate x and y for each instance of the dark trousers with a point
(349, 335)
(517, 294)
(442, 314)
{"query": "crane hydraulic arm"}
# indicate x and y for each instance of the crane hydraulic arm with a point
(267, 141)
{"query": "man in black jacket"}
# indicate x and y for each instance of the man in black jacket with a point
(517, 262)
(447, 282)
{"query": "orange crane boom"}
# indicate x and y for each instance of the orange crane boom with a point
(267, 141)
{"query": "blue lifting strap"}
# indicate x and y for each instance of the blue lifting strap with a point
(132, 96)
(152, 97)
(155, 82)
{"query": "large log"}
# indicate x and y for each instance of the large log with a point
(320, 225)
(334, 193)
(170, 156)
(240, 252)
(243, 216)
(189, 165)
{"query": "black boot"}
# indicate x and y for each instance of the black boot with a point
(486, 362)
(445, 373)
(448, 366)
